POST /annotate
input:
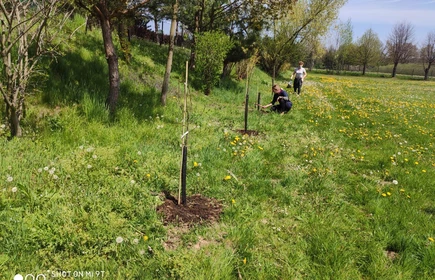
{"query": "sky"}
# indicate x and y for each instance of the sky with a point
(382, 15)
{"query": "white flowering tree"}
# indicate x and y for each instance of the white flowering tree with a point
(24, 39)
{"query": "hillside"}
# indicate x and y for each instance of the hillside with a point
(339, 188)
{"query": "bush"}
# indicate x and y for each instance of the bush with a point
(211, 48)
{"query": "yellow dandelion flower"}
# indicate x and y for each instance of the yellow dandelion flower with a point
(388, 193)
(233, 201)
(406, 159)
(260, 148)
(402, 190)
(148, 175)
(135, 161)
(228, 177)
(195, 164)
(416, 163)
(431, 239)
(244, 261)
(424, 171)
(145, 238)
(384, 194)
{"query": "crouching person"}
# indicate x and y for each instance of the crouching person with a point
(280, 97)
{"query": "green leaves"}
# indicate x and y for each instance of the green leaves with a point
(212, 48)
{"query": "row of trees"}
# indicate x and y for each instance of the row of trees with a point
(274, 29)
(370, 51)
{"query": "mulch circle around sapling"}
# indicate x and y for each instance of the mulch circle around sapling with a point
(197, 210)
(248, 132)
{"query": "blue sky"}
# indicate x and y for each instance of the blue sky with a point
(382, 15)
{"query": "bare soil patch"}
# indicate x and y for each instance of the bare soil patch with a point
(197, 210)
(247, 132)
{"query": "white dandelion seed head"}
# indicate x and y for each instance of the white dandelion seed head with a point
(94, 156)
(135, 241)
(132, 182)
(46, 168)
(14, 189)
(141, 252)
(395, 182)
(119, 240)
(39, 170)
(55, 177)
(9, 178)
(139, 153)
(89, 166)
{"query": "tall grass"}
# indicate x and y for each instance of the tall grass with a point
(339, 188)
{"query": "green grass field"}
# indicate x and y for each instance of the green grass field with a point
(342, 187)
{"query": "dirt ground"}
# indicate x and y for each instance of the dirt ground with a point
(248, 132)
(197, 210)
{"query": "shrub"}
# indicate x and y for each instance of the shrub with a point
(211, 48)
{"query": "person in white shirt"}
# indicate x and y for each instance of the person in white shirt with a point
(299, 75)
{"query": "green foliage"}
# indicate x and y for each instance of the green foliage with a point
(211, 48)
(339, 188)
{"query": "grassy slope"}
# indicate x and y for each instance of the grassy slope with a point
(314, 196)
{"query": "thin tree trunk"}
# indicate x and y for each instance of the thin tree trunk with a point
(193, 46)
(228, 66)
(14, 122)
(156, 30)
(426, 73)
(394, 70)
(165, 85)
(124, 40)
(112, 61)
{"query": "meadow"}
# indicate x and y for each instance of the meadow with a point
(342, 187)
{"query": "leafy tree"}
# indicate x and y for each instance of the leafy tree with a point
(305, 19)
(369, 49)
(242, 20)
(329, 59)
(427, 54)
(106, 11)
(399, 46)
(342, 37)
(24, 40)
(212, 48)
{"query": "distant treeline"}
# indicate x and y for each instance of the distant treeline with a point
(409, 69)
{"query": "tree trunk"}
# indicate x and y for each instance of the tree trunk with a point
(228, 66)
(426, 73)
(394, 70)
(112, 60)
(193, 45)
(165, 85)
(124, 40)
(364, 69)
(156, 30)
(14, 121)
